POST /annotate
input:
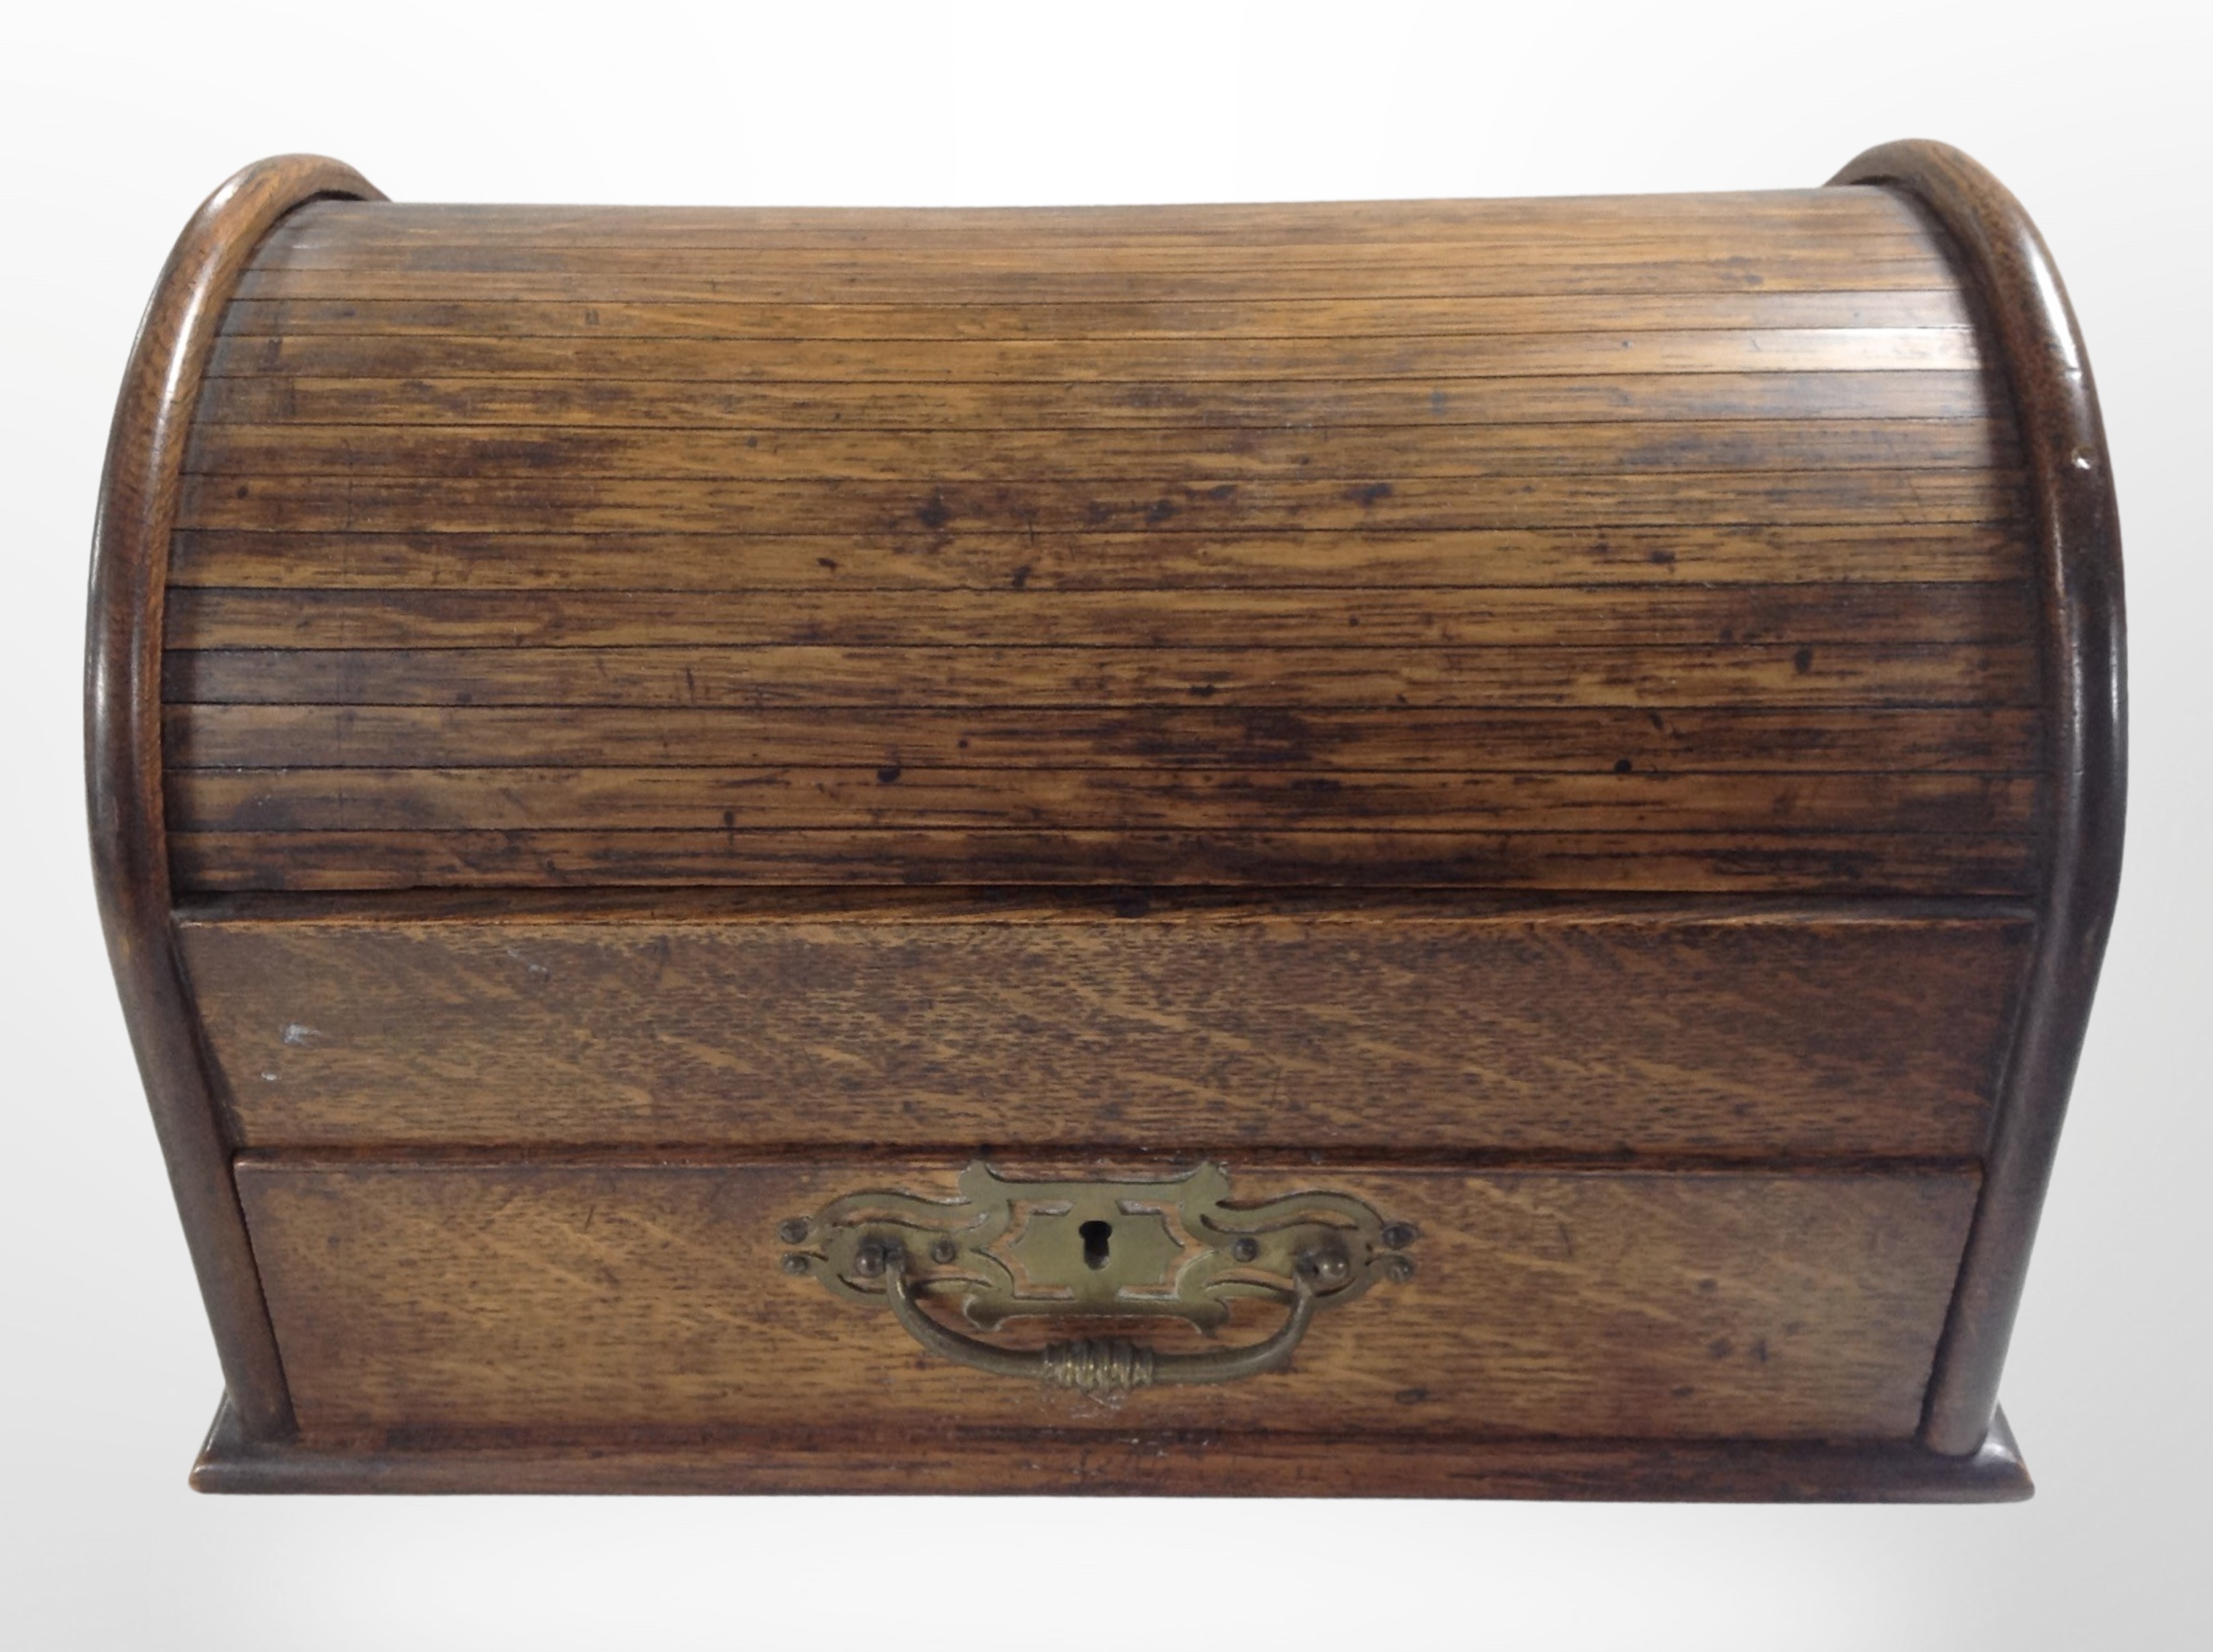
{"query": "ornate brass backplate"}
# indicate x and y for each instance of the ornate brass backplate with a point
(1176, 1246)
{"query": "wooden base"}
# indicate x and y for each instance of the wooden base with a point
(1034, 1464)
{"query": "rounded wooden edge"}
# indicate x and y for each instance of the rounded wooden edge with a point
(123, 741)
(2071, 492)
(1119, 1464)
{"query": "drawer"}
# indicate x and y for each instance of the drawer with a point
(643, 1297)
(946, 1021)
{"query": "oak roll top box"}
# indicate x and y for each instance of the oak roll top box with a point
(717, 827)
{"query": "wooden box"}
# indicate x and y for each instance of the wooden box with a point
(1426, 847)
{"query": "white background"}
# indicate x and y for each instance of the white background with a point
(118, 121)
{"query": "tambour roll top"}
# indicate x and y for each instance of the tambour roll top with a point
(1660, 544)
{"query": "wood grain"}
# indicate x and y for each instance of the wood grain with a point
(1360, 451)
(202, 619)
(800, 800)
(1878, 266)
(1764, 213)
(1534, 249)
(1422, 1024)
(1342, 318)
(1735, 218)
(2079, 544)
(1591, 1305)
(1757, 676)
(565, 504)
(1165, 739)
(1753, 862)
(138, 490)
(1198, 358)
(922, 560)
(1597, 397)
(1155, 1463)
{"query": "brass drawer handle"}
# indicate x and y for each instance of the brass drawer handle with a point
(1098, 1365)
(1119, 1251)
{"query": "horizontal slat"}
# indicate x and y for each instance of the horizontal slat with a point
(556, 504)
(200, 618)
(1808, 552)
(1869, 266)
(1661, 862)
(1345, 317)
(1221, 403)
(1057, 362)
(1532, 246)
(1421, 1027)
(1834, 674)
(1964, 739)
(1763, 213)
(1363, 452)
(1529, 245)
(1614, 1304)
(904, 798)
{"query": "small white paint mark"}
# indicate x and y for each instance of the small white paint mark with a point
(296, 1032)
(268, 1078)
(535, 969)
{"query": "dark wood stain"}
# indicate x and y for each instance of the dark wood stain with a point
(139, 500)
(2047, 370)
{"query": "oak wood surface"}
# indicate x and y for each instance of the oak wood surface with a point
(201, 619)
(1930, 394)
(138, 495)
(561, 503)
(1916, 741)
(1606, 1305)
(2047, 374)
(953, 1461)
(1849, 674)
(1343, 318)
(1400, 1024)
(1477, 558)
(1195, 358)
(1635, 271)
(895, 798)
(1809, 863)
(1361, 451)
(1214, 223)
(1737, 454)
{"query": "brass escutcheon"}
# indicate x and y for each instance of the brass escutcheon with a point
(1006, 1249)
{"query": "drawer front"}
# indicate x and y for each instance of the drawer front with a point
(935, 1025)
(1586, 1304)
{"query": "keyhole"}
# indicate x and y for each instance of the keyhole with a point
(1094, 1236)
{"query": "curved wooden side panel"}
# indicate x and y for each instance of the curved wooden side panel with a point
(123, 743)
(2071, 493)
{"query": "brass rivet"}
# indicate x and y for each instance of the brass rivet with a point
(869, 1258)
(1245, 1249)
(944, 1250)
(1399, 1269)
(796, 1263)
(792, 1229)
(1326, 1267)
(1400, 1235)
